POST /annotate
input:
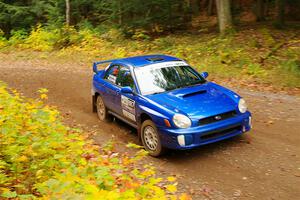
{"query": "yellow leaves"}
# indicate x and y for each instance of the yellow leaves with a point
(157, 28)
(6, 193)
(90, 188)
(58, 161)
(22, 159)
(43, 96)
(148, 173)
(3, 43)
(105, 195)
(185, 197)
(120, 52)
(171, 188)
(171, 178)
(155, 181)
(43, 93)
(39, 173)
(55, 144)
(126, 161)
(135, 146)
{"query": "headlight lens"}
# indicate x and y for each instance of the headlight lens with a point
(182, 121)
(242, 106)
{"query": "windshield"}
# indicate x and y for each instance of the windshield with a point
(162, 77)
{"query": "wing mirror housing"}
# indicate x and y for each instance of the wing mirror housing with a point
(204, 74)
(127, 90)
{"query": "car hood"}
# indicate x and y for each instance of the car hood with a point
(197, 101)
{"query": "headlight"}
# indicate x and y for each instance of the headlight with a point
(242, 106)
(181, 121)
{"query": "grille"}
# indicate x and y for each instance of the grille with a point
(219, 133)
(218, 117)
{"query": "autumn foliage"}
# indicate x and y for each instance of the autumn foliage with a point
(43, 158)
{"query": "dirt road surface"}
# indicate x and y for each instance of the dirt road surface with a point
(262, 164)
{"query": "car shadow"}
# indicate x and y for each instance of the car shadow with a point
(184, 155)
(206, 150)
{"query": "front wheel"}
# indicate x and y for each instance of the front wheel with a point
(150, 139)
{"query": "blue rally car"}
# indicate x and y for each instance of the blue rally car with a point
(171, 105)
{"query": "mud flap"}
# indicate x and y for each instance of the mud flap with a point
(94, 108)
(139, 131)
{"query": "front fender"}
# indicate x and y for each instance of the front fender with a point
(156, 117)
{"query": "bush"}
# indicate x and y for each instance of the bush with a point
(41, 157)
(3, 41)
(255, 70)
(292, 66)
(42, 40)
(17, 37)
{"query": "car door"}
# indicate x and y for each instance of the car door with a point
(125, 102)
(112, 89)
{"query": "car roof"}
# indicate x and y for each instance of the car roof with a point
(140, 61)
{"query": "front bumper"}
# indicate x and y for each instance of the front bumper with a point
(205, 134)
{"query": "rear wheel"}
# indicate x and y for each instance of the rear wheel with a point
(102, 111)
(150, 139)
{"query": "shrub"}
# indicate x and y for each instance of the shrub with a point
(41, 39)
(255, 70)
(42, 158)
(17, 37)
(292, 65)
(3, 41)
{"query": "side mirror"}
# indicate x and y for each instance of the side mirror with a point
(127, 90)
(204, 74)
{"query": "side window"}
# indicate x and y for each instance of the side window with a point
(124, 78)
(112, 73)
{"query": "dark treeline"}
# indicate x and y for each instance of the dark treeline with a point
(150, 15)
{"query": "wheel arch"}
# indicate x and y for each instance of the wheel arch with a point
(143, 117)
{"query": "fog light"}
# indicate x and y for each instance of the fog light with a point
(244, 129)
(181, 140)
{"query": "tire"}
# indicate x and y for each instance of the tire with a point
(102, 111)
(150, 139)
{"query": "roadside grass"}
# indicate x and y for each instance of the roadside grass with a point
(41, 158)
(263, 55)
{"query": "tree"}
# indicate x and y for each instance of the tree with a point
(68, 12)
(224, 15)
(22, 14)
(280, 7)
(210, 7)
(260, 10)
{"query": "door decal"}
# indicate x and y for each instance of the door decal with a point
(112, 79)
(128, 107)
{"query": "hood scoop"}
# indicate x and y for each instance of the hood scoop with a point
(193, 93)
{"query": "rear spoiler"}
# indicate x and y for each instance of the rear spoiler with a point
(95, 64)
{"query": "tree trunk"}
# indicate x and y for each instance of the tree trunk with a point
(210, 7)
(260, 10)
(224, 15)
(267, 8)
(120, 13)
(280, 6)
(194, 7)
(68, 12)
